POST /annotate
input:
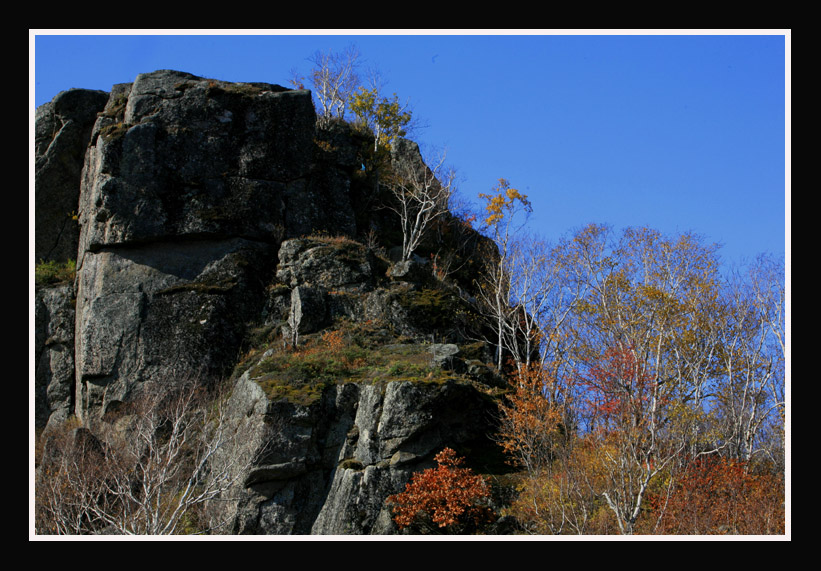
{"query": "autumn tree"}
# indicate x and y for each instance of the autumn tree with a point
(532, 426)
(625, 417)
(504, 207)
(447, 498)
(564, 496)
(649, 295)
(662, 362)
(384, 116)
(719, 495)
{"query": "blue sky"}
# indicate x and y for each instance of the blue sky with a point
(675, 132)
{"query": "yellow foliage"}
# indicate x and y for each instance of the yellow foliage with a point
(503, 202)
(386, 117)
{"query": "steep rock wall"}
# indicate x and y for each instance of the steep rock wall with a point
(62, 131)
(327, 467)
(333, 439)
(182, 206)
(193, 204)
(54, 355)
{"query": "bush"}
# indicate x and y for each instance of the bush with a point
(53, 272)
(717, 495)
(448, 497)
(160, 469)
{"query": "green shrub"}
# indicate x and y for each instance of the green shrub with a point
(53, 272)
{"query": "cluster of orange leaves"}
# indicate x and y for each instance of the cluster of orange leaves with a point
(503, 201)
(333, 344)
(468, 220)
(448, 494)
(439, 271)
(333, 341)
(531, 422)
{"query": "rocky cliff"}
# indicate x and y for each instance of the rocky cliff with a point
(215, 228)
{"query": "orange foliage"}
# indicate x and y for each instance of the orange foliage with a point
(333, 341)
(531, 423)
(468, 220)
(449, 495)
(721, 496)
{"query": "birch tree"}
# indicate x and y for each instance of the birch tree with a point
(386, 117)
(660, 363)
(752, 384)
(504, 206)
(333, 78)
(420, 195)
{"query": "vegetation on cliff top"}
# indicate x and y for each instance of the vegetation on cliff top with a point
(349, 352)
(51, 272)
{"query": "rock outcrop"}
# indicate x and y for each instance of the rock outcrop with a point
(218, 230)
(182, 208)
(54, 366)
(327, 467)
(62, 130)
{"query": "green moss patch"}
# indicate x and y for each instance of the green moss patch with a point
(113, 131)
(54, 273)
(349, 353)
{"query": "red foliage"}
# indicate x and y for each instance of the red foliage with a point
(450, 495)
(721, 495)
(618, 390)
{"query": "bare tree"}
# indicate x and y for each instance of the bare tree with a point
(67, 482)
(421, 193)
(768, 282)
(333, 78)
(751, 389)
(154, 471)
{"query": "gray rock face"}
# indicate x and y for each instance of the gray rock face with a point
(327, 468)
(62, 132)
(193, 202)
(174, 155)
(166, 312)
(330, 264)
(183, 203)
(54, 368)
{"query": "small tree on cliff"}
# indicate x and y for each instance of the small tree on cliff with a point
(421, 194)
(333, 78)
(503, 206)
(385, 117)
(449, 497)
